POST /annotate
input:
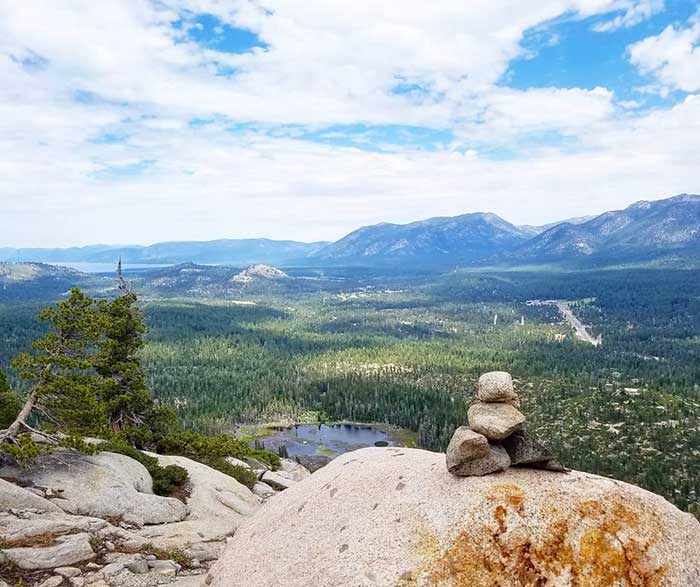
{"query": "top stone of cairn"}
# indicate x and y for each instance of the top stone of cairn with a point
(496, 386)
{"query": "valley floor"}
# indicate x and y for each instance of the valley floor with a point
(406, 350)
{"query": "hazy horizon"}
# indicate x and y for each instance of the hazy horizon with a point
(282, 238)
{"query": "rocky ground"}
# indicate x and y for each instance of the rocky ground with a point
(76, 520)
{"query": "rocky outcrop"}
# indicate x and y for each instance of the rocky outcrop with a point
(105, 485)
(290, 473)
(293, 470)
(121, 543)
(313, 463)
(277, 480)
(216, 507)
(24, 527)
(390, 517)
(259, 271)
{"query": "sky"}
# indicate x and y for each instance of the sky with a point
(138, 121)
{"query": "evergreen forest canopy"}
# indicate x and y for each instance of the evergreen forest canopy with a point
(407, 350)
(84, 378)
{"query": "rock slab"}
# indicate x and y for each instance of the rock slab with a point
(68, 550)
(389, 517)
(105, 485)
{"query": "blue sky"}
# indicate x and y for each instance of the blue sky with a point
(157, 120)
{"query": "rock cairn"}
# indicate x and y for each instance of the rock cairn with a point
(495, 438)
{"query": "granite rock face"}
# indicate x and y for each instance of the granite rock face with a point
(67, 550)
(215, 508)
(390, 517)
(105, 485)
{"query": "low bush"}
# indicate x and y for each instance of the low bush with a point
(166, 480)
(213, 450)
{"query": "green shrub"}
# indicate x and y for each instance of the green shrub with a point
(25, 450)
(166, 480)
(213, 450)
(169, 479)
(243, 475)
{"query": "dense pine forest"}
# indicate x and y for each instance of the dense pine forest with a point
(407, 350)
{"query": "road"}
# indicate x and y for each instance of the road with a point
(581, 332)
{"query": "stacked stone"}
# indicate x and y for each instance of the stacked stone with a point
(495, 438)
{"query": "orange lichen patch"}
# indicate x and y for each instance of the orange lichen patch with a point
(511, 494)
(593, 546)
(427, 543)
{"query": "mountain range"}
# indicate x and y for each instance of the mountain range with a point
(659, 231)
(646, 232)
(225, 252)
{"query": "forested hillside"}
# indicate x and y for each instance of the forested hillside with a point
(408, 350)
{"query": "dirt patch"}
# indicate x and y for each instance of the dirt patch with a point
(16, 577)
(35, 541)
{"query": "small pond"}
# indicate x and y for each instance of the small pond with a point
(326, 439)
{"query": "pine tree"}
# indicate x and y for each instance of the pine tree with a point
(65, 388)
(125, 396)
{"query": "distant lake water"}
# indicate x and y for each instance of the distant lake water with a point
(330, 440)
(107, 267)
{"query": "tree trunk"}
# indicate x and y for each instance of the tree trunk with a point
(21, 418)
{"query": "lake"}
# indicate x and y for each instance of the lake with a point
(87, 267)
(327, 439)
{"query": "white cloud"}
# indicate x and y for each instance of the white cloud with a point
(63, 180)
(326, 62)
(673, 57)
(209, 184)
(505, 113)
(634, 13)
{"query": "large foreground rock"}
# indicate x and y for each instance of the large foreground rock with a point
(387, 517)
(106, 485)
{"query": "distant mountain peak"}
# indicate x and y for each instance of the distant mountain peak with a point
(643, 229)
(438, 241)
